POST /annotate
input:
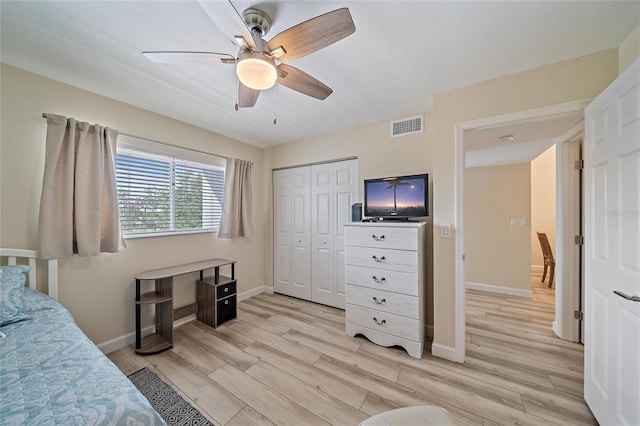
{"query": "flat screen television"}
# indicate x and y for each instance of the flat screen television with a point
(399, 197)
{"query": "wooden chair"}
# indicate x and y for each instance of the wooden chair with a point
(549, 261)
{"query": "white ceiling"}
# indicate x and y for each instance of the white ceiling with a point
(400, 55)
(483, 146)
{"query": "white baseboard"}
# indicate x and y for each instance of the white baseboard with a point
(254, 292)
(446, 352)
(501, 290)
(130, 338)
(122, 341)
(184, 320)
(537, 268)
(556, 330)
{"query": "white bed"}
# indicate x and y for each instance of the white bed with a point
(50, 372)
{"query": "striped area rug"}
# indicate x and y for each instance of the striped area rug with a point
(167, 402)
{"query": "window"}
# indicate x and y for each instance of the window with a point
(162, 194)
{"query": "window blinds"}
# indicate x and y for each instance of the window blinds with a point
(160, 194)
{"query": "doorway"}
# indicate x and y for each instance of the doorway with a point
(565, 312)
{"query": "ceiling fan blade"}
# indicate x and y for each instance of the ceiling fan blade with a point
(302, 82)
(314, 34)
(225, 16)
(180, 57)
(247, 97)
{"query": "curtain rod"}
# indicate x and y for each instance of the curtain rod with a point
(44, 115)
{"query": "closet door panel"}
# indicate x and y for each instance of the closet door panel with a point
(283, 268)
(301, 232)
(311, 206)
(334, 190)
(292, 232)
(345, 190)
(282, 232)
(322, 219)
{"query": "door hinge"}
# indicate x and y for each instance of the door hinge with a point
(579, 240)
(579, 164)
(579, 315)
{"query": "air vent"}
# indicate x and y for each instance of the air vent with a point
(407, 126)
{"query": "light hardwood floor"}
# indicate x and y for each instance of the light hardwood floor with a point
(287, 362)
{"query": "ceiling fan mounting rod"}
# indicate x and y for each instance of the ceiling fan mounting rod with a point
(257, 20)
(261, 45)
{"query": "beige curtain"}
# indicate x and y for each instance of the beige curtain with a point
(79, 202)
(236, 212)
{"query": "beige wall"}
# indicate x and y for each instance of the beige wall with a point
(498, 254)
(629, 50)
(576, 79)
(543, 202)
(378, 155)
(99, 291)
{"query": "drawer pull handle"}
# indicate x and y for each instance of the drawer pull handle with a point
(379, 280)
(226, 302)
(226, 290)
(378, 322)
(380, 238)
(378, 259)
(379, 302)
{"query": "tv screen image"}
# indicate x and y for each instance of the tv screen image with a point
(396, 197)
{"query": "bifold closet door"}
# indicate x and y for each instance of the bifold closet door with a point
(334, 189)
(292, 232)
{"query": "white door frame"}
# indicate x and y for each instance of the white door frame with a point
(568, 212)
(460, 128)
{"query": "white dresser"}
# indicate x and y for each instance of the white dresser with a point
(385, 283)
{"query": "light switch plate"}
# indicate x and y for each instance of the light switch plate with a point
(518, 222)
(445, 231)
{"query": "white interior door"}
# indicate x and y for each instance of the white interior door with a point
(292, 232)
(301, 232)
(345, 194)
(282, 232)
(323, 285)
(612, 240)
(334, 189)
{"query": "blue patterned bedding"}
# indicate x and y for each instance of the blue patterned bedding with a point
(51, 373)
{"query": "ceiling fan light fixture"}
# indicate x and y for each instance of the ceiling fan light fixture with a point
(256, 70)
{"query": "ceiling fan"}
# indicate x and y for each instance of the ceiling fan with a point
(259, 63)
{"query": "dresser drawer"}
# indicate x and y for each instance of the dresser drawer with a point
(394, 260)
(383, 237)
(225, 310)
(385, 322)
(398, 282)
(385, 301)
(225, 290)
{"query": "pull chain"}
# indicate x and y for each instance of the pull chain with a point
(237, 92)
(275, 91)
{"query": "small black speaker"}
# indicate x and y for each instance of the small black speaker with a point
(356, 212)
